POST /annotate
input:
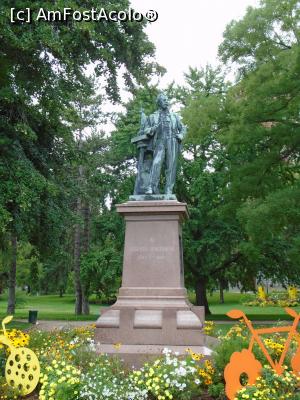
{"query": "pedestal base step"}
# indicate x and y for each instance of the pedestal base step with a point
(137, 355)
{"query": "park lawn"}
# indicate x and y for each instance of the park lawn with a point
(234, 300)
(49, 307)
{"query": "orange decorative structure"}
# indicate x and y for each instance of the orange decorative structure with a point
(22, 370)
(244, 362)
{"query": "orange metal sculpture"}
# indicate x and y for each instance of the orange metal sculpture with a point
(244, 362)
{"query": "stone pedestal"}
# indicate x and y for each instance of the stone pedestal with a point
(152, 310)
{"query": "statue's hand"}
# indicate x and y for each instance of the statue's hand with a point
(179, 137)
(148, 132)
(151, 131)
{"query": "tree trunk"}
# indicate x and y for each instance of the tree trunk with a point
(77, 253)
(201, 297)
(81, 244)
(86, 227)
(11, 303)
(221, 291)
(85, 248)
(85, 304)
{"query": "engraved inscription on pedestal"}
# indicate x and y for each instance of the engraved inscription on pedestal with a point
(152, 253)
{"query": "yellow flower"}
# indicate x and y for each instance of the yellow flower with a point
(261, 294)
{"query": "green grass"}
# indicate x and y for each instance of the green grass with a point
(49, 307)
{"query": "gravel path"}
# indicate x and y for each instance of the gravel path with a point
(57, 325)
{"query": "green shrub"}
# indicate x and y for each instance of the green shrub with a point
(217, 391)
(271, 386)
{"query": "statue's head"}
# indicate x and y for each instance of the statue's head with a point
(162, 101)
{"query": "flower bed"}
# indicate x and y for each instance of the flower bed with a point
(70, 370)
(290, 298)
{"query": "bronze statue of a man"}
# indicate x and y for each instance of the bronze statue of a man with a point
(162, 133)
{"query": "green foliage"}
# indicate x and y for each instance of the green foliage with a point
(3, 358)
(101, 269)
(29, 270)
(7, 391)
(224, 351)
(263, 33)
(46, 99)
(240, 176)
(217, 391)
(128, 125)
(263, 137)
(54, 275)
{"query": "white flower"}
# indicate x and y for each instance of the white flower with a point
(181, 371)
(75, 340)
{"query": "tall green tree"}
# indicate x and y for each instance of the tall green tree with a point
(210, 241)
(42, 73)
(92, 190)
(263, 140)
(242, 160)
